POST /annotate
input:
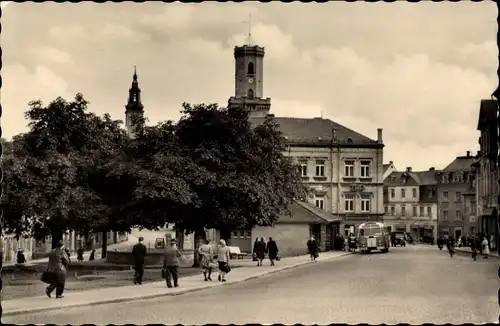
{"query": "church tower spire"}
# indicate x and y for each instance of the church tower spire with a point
(134, 108)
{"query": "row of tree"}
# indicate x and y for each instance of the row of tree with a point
(77, 171)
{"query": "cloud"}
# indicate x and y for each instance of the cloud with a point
(21, 86)
(52, 54)
(67, 33)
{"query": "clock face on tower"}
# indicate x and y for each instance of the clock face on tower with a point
(250, 80)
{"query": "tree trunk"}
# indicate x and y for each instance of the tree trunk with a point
(196, 255)
(104, 244)
(198, 236)
(56, 237)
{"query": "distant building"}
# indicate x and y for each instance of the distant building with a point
(454, 182)
(343, 167)
(388, 169)
(486, 170)
(410, 200)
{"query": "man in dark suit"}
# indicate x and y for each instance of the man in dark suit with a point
(171, 264)
(139, 252)
(58, 262)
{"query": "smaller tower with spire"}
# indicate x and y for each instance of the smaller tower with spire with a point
(134, 108)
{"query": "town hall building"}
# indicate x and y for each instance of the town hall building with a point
(343, 168)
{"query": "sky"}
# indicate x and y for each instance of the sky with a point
(417, 70)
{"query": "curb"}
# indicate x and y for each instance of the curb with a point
(158, 295)
(466, 252)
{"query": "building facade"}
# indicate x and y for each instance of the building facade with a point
(453, 182)
(410, 203)
(343, 168)
(486, 170)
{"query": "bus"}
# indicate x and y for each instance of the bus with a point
(373, 236)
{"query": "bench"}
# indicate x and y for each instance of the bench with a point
(235, 252)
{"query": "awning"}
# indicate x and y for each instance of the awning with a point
(488, 211)
(422, 226)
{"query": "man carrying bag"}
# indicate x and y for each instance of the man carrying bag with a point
(55, 275)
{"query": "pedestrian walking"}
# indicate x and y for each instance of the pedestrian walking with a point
(260, 251)
(223, 258)
(139, 253)
(492, 242)
(171, 264)
(451, 246)
(254, 253)
(56, 272)
(92, 255)
(473, 247)
(272, 250)
(312, 247)
(21, 259)
(79, 255)
(207, 255)
(68, 253)
(485, 247)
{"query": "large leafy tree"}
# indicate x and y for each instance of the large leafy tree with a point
(247, 180)
(56, 177)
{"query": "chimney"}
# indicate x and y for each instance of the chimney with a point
(432, 168)
(379, 135)
(391, 162)
(408, 169)
(468, 153)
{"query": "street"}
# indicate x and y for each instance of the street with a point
(416, 284)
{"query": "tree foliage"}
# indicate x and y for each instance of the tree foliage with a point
(76, 171)
(55, 179)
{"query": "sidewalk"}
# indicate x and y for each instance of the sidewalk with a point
(247, 271)
(469, 251)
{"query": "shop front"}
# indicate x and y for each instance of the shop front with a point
(423, 232)
(489, 225)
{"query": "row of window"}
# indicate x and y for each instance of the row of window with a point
(458, 215)
(456, 178)
(364, 171)
(349, 201)
(403, 193)
(458, 194)
(422, 211)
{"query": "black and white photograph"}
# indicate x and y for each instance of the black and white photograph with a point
(249, 163)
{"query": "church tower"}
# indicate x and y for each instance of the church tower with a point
(249, 81)
(134, 107)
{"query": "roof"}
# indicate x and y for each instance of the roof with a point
(461, 163)
(427, 178)
(421, 178)
(317, 131)
(386, 166)
(302, 212)
(487, 113)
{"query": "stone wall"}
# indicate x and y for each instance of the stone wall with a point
(290, 238)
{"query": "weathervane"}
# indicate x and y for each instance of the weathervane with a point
(249, 22)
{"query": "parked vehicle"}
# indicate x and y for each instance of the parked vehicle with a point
(398, 239)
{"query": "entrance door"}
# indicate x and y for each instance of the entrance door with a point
(458, 233)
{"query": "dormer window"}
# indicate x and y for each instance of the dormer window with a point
(250, 93)
(251, 69)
